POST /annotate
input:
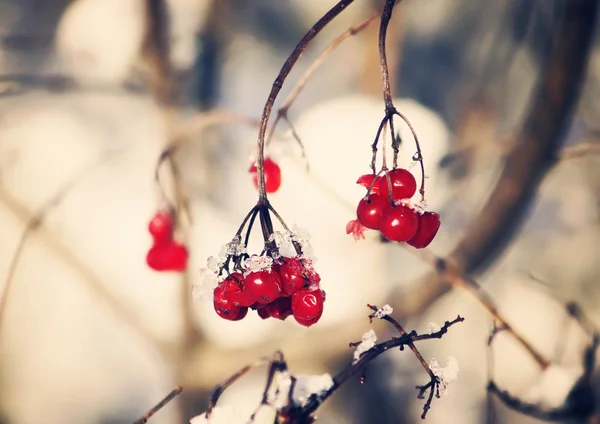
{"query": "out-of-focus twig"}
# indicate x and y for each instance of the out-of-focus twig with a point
(174, 393)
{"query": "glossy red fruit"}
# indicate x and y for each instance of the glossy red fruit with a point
(161, 226)
(399, 223)
(239, 296)
(292, 275)
(369, 211)
(263, 286)
(280, 308)
(225, 307)
(272, 175)
(307, 306)
(366, 181)
(169, 256)
(403, 183)
(429, 224)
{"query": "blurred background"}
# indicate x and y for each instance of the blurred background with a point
(91, 92)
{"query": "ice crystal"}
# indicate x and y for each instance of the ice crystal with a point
(445, 374)
(367, 341)
(433, 328)
(257, 263)
(384, 311)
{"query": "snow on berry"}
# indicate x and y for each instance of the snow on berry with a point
(445, 374)
(367, 342)
(257, 263)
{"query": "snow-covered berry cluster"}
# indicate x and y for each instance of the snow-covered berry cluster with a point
(273, 284)
(387, 208)
(165, 254)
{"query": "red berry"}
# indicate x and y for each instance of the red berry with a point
(292, 277)
(170, 256)
(225, 307)
(369, 211)
(161, 225)
(403, 183)
(399, 223)
(307, 306)
(263, 286)
(429, 224)
(366, 181)
(239, 297)
(272, 175)
(280, 308)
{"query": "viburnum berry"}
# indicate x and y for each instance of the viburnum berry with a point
(272, 175)
(370, 210)
(263, 286)
(279, 309)
(403, 184)
(307, 306)
(161, 226)
(367, 180)
(399, 223)
(429, 224)
(292, 275)
(224, 307)
(167, 256)
(238, 296)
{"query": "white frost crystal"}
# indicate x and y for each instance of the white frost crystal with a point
(367, 342)
(433, 328)
(257, 263)
(307, 385)
(445, 374)
(384, 311)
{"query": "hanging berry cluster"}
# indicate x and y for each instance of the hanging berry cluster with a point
(279, 282)
(386, 207)
(166, 254)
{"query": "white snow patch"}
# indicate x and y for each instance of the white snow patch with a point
(367, 342)
(307, 385)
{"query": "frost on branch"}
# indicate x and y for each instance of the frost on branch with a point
(367, 341)
(433, 328)
(445, 374)
(383, 311)
(308, 385)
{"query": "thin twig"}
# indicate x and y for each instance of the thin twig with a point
(278, 83)
(174, 393)
(449, 272)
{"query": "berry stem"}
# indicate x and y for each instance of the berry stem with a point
(278, 83)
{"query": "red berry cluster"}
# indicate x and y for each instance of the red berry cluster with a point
(277, 289)
(391, 213)
(272, 175)
(165, 254)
